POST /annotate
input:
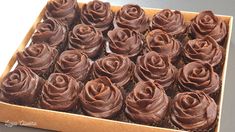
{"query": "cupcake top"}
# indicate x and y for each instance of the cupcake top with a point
(205, 49)
(50, 31)
(193, 111)
(206, 23)
(198, 76)
(101, 98)
(21, 86)
(60, 92)
(163, 43)
(64, 10)
(153, 67)
(172, 22)
(133, 17)
(125, 41)
(117, 67)
(147, 103)
(74, 63)
(38, 57)
(87, 39)
(98, 14)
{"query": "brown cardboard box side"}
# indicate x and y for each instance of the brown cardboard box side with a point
(60, 121)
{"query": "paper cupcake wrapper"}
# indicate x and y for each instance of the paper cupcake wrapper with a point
(156, 124)
(211, 129)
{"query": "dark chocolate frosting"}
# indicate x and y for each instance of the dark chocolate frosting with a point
(193, 111)
(74, 63)
(133, 17)
(98, 14)
(87, 39)
(117, 67)
(50, 31)
(126, 42)
(21, 86)
(172, 22)
(153, 67)
(206, 49)
(147, 103)
(38, 57)
(64, 10)
(198, 76)
(61, 93)
(206, 23)
(100, 98)
(163, 43)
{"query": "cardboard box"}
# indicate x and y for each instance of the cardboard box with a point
(61, 121)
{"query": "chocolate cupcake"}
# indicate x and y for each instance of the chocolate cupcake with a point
(101, 98)
(87, 39)
(98, 14)
(39, 58)
(74, 63)
(153, 67)
(206, 23)
(117, 67)
(60, 93)
(198, 76)
(193, 111)
(21, 86)
(51, 32)
(172, 22)
(205, 49)
(133, 17)
(147, 103)
(164, 44)
(65, 11)
(125, 42)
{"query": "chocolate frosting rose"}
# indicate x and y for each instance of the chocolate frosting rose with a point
(206, 23)
(193, 111)
(61, 93)
(39, 58)
(21, 86)
(205, 49)
(117, 67)
(198, 76)
(87, 39)
(100, 98)
(163, 43)
(74, 63)
(172, 22)
(133, 17)
(153, 67)
(98, 14)
(64, 10)
(52, 32)
(147, 103)
(125, 42)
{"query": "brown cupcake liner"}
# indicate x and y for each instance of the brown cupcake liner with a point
(171, 125)
(75, 110)
(156, 124)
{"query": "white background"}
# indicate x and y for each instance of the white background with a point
(16, 17)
